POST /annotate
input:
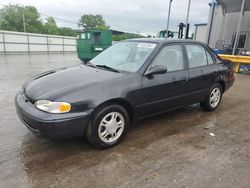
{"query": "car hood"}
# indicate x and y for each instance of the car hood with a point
(55, 83)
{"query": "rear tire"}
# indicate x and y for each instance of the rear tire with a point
(108, 126)
(213, 99)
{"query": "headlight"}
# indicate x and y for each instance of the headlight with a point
(53, 107)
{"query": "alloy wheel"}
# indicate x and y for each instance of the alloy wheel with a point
(111, 127)
(215, 97)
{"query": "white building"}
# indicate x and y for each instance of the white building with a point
(226, 21)
(200, 33)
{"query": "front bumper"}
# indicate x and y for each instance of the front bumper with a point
(49, 125)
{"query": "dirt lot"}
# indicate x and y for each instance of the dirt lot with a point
(170, 150)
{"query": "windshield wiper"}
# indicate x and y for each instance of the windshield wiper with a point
(107, 67)
(90, 64)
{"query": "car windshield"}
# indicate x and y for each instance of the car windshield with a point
(125, 56)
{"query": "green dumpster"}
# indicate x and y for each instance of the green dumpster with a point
(92, 42)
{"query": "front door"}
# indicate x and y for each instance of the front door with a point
(161, 92)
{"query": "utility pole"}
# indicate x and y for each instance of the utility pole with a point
(211, 22)
(237, 36)
(169, 9)
(24, 25)
(186, 29)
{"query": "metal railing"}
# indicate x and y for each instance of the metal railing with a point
(238, 60)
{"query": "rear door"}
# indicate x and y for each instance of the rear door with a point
(201, 71)
(169, 90)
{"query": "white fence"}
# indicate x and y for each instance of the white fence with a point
(17, 42)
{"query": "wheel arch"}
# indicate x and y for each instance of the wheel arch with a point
(124, 103)
(223, 84)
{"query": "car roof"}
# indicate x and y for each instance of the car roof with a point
(163, 40)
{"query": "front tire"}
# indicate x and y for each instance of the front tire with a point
(213, 99)
(108, 126)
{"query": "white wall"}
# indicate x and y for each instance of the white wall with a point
(18, 42)
(225, 26)
(201, 33)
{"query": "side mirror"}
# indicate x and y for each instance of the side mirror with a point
(158, 69)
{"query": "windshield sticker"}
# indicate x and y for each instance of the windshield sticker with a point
(146, 45)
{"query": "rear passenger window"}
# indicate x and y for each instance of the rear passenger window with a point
(196, 55)
(170, 56)
(209, 58)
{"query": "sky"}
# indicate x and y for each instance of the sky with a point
(143, 16)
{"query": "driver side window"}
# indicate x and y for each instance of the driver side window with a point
(171, 57)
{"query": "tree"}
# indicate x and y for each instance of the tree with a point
(66, 31)
(50, 26)
(91, 21)
(27, 18)
(126, 36)
(13, 18)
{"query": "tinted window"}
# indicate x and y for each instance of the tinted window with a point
(196, 55)
(209, 58)
(171, 57)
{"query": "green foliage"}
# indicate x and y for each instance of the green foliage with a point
(91, 21)
(66, 31)
(33, 22)
(11, 18)
(50, 26)
(126, 36)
